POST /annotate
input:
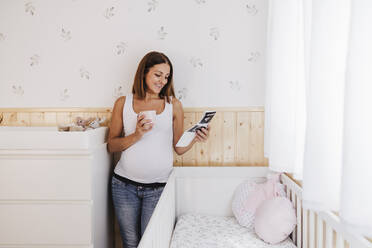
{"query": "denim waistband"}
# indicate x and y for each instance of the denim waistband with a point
(147, 185)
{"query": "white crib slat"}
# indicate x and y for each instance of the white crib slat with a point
(311, 230)
(339, 241)
(305, 230)
(319, 232)
(294, 233)
(329, 236)
(299, 224)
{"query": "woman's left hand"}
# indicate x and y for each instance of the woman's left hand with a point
(202, 134)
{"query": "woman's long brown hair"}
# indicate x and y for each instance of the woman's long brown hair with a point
(139, 85)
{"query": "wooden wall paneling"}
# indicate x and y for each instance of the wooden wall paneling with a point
(6, 116)
(50, 118)
(255, 137)
(260, 118)
(37, 119)
(23, 119)
(188, 159)
(2, 118)
(228, 136)
(63, 118)
(215, 141)
(242, 142)
(12, 120)
(251, 138)
(90, 115)
(202, 149)
(236, 137)
(177, 160)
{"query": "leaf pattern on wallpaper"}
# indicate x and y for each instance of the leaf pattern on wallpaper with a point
(161, 33)
(196, 62)
(181, 94)
(214, 33)
(118, 92)
(18, 90)
(64, 95)
(84, 73)
(153, 4)
(234, 85)
(251, 9)
(254, 56)
(35, 59)
(109, 12)
(2, 37)
(200, 1)
(30, 8)
(65, 34)
(120, 48)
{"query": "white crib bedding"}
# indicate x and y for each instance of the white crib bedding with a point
(206, 231)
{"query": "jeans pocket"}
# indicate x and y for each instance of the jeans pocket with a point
(117, 182)
(159, 190)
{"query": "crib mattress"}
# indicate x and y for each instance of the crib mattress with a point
(206, 231)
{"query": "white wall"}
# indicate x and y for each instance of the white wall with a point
(84, 53)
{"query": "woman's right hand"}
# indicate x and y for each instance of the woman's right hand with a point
(143, 125)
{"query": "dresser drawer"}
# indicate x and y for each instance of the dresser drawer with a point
(45, 223)
(31, 178)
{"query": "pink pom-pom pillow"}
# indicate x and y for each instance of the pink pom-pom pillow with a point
(275, 219)
(244, 216)
(249, 195)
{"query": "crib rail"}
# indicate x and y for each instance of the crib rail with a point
(319, 229)
(159, 230)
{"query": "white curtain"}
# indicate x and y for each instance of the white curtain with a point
(285, 89)
(319, 102)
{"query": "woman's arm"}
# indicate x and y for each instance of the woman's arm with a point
(178, 117)
(117, 143)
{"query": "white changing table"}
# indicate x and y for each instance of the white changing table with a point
(54, 188)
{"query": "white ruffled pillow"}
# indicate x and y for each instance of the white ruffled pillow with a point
(275, 219)
(244, 216)
(249, 195)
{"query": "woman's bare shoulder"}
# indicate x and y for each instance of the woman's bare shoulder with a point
(120, 101)
(176, 103)
(177, 108)
(119, 104)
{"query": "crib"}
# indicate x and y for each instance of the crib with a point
(209, 190)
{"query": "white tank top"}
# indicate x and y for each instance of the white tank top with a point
(150, 159)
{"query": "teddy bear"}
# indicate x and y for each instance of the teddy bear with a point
(81, 124)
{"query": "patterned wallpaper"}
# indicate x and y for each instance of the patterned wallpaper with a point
(84, 53)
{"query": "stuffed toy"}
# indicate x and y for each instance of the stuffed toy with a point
(81, 124)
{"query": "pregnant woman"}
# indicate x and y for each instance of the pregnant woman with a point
(146, 145)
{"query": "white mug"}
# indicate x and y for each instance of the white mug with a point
(149, 115)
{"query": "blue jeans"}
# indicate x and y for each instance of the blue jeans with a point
(134, 206)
